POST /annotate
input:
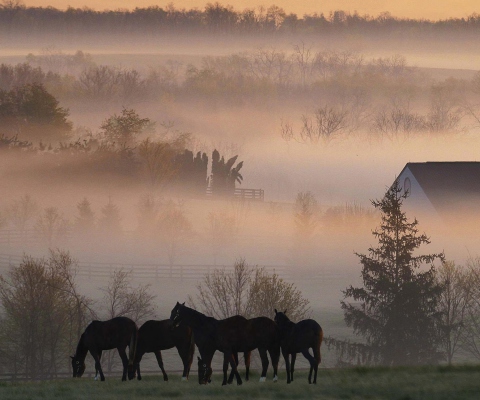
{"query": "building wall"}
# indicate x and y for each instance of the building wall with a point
(417, 205)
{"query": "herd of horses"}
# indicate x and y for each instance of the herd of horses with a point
(187, 328)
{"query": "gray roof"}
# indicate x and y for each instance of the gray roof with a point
(450, 186)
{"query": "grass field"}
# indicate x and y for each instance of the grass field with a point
(434, 383)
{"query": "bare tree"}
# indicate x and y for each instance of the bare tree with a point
(22, 212)
(248, 291)
(42, 315)
(456, 297)
(122, 299)
(471, 333)
(304, 59)
(327, 122)
(51, 226)
(174, 229)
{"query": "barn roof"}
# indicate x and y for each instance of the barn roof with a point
(450, 186)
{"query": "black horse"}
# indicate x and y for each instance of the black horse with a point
(154, 336)
(116, 333)
(230, 336)
(299, 338)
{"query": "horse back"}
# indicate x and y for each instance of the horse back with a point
(306, 333)
(161, 335)
(106, 335)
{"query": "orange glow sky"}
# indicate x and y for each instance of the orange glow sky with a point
(430, 9)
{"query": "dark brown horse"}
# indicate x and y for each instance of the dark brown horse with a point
(231, 335)
(299, 338)
(116, 333)
(154, 336)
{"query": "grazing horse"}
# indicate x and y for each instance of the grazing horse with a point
(230, 336)
(154, 336)
(116, 333)
(299, 338)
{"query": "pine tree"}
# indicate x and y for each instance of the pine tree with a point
(396, 310)
(85, 220)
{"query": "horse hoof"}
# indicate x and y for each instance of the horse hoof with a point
(239, 383)
(165, 378)
(184, 379)
(275, 378)
(262, 379)
(139, 378)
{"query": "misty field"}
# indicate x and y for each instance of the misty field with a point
(362, 383)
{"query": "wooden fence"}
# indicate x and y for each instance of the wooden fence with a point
(142, 271)
(243, 194)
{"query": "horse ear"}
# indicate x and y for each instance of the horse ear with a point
(71, 357)
(276, 311)
(285, 312)
(199, 359)
(183, 303)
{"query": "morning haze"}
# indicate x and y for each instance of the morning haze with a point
(116, 162)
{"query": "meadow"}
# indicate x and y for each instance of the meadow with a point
(419, 383)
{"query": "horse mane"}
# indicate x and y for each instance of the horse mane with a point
(81, 351)
(198, 316)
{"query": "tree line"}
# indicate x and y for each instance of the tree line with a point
(342, 92)
(16, 18)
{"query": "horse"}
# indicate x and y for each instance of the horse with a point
(230, 336)
(118, 333)
(299, 338)
(154, 336)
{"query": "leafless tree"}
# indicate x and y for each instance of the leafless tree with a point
(52, 226)
(327, 122)
(471, 330)
(42, 315)
(456, 298)
(304, 59)
(122, 299)
(22, 212)
(248, 291)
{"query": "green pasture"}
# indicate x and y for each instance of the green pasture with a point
(434, 383)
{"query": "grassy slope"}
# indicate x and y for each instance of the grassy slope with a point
(400, 383)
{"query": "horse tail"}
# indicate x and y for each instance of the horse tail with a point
(318, 343)
(192, 347)
(132, 348)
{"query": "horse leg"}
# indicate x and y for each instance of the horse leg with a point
(292, 365)
(247, 355)
(264, 358)
(313, 364)
(138, 358)
(234, 366)
(98, 367)
(286, 357)
(226, 360)
(158, 355)
(124, 357)
(232, 372)
(186, 360)
(274, 357)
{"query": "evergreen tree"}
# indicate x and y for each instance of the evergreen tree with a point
(85, 220)
(109, 222)
(397, 309)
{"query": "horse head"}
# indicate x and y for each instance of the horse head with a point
(176, 314)
(204, 372)
(281, 317)
(78, 367)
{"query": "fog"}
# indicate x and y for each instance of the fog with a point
(348, 170)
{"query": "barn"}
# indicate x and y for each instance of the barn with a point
(443, 192)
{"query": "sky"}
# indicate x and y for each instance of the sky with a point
(429, 9)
